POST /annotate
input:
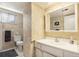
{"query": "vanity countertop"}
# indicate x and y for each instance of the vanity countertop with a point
(61, 44)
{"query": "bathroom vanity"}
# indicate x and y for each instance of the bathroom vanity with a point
(48, 47)
(59, 22)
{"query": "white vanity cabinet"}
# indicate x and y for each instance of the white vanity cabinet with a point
(70, 54)
(46, 50)
(42, 50)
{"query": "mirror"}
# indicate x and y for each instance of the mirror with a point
(56, 20)
(63, 19)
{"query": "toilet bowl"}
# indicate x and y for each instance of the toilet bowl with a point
(18, 41)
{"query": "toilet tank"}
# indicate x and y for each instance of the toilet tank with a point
(17, 38)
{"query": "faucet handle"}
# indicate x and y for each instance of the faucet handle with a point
(71, 40)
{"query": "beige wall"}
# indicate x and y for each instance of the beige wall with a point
(75, 35)
(33, 27)
(37, 22)
(27, 31)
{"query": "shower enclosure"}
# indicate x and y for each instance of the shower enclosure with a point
(10, 25)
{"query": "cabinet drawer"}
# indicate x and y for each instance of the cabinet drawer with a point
(70, 54)
(37, 44)
(52, 50)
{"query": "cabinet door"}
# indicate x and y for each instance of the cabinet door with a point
(47, 55)
(37, 45)
(52, 50)
(39, 53)
(70, 54)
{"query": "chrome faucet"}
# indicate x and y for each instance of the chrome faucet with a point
(71, 40)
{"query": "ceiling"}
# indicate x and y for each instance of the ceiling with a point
(19, 6)
(15, 5)
(45, 5)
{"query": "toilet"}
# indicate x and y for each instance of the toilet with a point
(19, 42)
